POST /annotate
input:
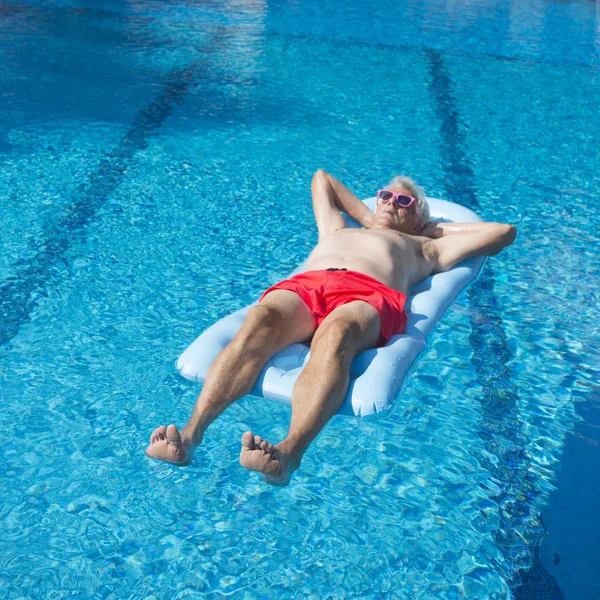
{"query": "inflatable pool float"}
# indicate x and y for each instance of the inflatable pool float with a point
(376, 375)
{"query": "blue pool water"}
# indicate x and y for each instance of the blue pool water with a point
(155, 164)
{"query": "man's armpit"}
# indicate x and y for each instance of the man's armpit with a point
(430, 251)
(427, 253)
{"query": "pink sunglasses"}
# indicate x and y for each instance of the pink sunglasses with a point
(403, 200)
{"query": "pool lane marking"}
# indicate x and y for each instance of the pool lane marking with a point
(500, 415)
(20, 293)
(423, 48)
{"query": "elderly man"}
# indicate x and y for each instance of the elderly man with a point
(350, 298)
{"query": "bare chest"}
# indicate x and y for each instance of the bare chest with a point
(359, 242)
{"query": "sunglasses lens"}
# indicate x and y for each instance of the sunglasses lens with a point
(404, 200)
(385, 196)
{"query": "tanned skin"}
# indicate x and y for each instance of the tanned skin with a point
(392, 248)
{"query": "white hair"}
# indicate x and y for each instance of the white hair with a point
(406, 183)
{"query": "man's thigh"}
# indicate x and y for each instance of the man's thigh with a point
(361, 321)
(296, 318)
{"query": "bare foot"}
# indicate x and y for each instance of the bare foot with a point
(258, 455)
(166, 443)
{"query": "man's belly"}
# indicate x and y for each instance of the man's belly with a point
(384, 271)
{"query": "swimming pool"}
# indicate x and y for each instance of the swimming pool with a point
(155, 167)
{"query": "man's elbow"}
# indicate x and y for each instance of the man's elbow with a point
(506, 236)
(320, 176)
(510, 234)
(322, 190)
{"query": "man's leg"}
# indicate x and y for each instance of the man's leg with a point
(319, 391)
(280, 320)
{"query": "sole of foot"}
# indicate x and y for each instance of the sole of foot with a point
(261, 456)
(167, 445)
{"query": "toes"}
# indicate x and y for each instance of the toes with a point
(248, 440)
(158, 434)
(267, 447)
(173, 436)
(168, 446)
(255, 442)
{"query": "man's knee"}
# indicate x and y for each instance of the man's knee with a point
(337, 337)
(261, 320)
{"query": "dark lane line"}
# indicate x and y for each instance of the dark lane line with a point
(410, 46)
(500, 415)
(20, 294)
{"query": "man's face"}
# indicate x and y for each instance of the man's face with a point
(391, 215)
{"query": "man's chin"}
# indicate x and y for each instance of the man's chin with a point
(387, 221)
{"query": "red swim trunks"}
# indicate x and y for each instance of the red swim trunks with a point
(324, 291)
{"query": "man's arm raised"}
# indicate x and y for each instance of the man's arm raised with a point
(329, 198)
(455, 242)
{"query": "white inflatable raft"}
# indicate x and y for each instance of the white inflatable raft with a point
(376, 375)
